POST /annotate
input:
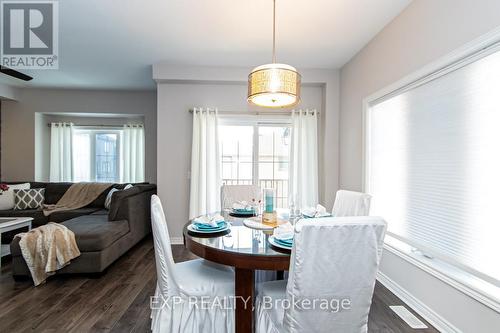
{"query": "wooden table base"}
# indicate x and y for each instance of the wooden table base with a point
(245, 264)
(244, 291)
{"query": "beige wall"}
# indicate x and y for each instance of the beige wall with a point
(175, 131)
(425, 31)
(20, 141)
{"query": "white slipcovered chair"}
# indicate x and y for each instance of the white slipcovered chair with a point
(333, 260)
(178, 284)
(233, 193)
(350, 203)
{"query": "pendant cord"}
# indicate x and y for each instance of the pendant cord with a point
(274, 31)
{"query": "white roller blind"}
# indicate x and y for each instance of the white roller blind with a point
(433, 166)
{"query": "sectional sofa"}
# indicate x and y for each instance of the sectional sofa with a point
(102, 235)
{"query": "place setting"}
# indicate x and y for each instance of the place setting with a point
(243, 209)
(283, 231)
(282, 237)
(314, 212)
(208, 225)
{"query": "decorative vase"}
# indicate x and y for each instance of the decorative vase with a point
(269, 215)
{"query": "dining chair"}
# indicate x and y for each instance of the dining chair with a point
(234, 193)
(350, 203)
(184, 289)
(333, 268)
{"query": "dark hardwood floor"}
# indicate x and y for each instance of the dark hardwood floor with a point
(118, 301)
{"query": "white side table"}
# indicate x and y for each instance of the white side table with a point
(8, 224)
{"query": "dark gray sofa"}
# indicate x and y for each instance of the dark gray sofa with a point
(101, 235)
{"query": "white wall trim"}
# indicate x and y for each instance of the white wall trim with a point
(446, 278)
(177, 240)
(423, 310)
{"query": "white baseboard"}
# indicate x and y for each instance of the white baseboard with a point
(419, 307)
(176, 240)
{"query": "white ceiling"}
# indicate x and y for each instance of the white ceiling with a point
(111, 44)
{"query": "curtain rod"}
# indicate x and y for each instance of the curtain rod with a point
(107, 126)
(258, 113)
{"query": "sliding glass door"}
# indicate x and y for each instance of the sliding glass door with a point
(257, 154)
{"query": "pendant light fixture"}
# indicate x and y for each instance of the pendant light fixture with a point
(274, 85)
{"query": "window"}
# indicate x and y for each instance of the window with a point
(236, 146)
(96, 155)
(256, 153)
(433, 165)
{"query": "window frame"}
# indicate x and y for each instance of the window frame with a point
(93, 131)
(455, 276)
(256, 121)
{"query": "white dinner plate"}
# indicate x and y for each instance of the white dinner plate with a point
(252, 224)
(193, 229)
(272, 241)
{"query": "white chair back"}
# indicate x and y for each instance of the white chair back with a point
(334, 260)
(166, 281)
(349, 203)
(233, 193)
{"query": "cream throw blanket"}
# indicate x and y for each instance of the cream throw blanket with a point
(77, 196)
(46, 249)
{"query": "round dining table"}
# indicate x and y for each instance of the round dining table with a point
(246, 250)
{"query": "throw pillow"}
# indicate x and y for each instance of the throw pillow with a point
(29, 199)
(107, 202)
(7, 198)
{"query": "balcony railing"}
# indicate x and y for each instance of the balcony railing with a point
(279, 185)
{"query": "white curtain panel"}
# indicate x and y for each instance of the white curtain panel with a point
(205, 164)
(133, 156)
(304, 159)
(61, 152)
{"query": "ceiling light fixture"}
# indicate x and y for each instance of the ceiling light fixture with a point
(274, 85)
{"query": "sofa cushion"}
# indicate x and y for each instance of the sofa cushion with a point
(70, 214)
(101, 212)
(99, 201)
(118, 199)
(36, 214)
(37, 185)
(95, 232)
(54, 192)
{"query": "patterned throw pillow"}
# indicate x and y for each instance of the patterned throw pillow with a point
(29, 199)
